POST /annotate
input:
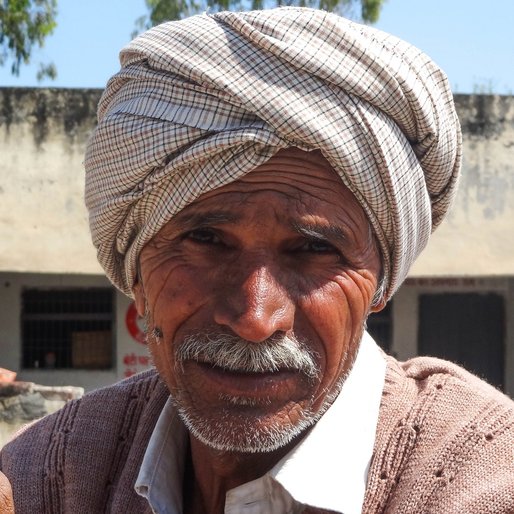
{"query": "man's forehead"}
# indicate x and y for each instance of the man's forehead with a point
(291, 174)
(295, 189)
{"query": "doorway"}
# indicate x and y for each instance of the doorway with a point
(466, 328)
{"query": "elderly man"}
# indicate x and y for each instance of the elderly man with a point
(260, 183)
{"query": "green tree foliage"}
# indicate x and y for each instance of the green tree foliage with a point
(163, 10)
(23, 25)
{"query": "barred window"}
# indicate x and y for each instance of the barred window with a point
(67, 328)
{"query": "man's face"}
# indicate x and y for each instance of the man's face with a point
(259, 291)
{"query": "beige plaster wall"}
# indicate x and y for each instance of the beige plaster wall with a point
(43, 222)
(477, 238)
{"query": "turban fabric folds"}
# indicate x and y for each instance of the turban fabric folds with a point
(200, 102)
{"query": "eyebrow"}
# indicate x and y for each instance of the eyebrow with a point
(330, 233)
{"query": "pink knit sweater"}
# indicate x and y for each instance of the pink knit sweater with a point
(445, 444)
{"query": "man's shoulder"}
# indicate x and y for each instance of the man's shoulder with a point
(100, 404)
(101, 435)
(428, 373)
(102, 411)
(442, 395)
(441, 431)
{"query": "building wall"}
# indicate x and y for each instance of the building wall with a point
(477, 239)
(43, 221)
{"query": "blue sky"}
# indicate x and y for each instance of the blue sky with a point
(471, 40)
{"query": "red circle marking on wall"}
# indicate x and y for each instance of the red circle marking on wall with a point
(131, 320)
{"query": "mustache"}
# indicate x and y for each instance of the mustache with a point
(236, 354)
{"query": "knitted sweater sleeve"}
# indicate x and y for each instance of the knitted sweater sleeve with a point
(86, 456)
(445, 443)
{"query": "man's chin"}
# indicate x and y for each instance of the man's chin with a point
(246, 432)
(250, 423)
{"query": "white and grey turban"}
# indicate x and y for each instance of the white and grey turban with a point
(202, 101)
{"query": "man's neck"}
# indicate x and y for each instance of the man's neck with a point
(211, 473)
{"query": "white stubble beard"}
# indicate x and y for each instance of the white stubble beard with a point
(243, 432)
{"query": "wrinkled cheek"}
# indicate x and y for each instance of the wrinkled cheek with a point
(178, 301)
(161, 352)
(330, 313)
(336, 313)
(172, 307)
(356, 293)
(363, 286)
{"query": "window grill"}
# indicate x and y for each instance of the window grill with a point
(67, 328)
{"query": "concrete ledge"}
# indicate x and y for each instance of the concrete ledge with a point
(24, 402)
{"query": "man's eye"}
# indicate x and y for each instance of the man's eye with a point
(318, 247)
(203, 236)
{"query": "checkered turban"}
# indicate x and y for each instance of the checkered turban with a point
(200, 102)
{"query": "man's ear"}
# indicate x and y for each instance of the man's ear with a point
(378, 306)
(139, 298)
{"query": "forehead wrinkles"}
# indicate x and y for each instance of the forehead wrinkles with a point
(277, 196)
(288, 171)
(310, 190)
(317, 194)
(291, 184)
(309, 181)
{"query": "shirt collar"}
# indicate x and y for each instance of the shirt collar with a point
(327, 469)
(162, 470)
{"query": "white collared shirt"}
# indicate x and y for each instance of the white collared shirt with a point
(327, 469)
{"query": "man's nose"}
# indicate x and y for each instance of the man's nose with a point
(254, 304)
